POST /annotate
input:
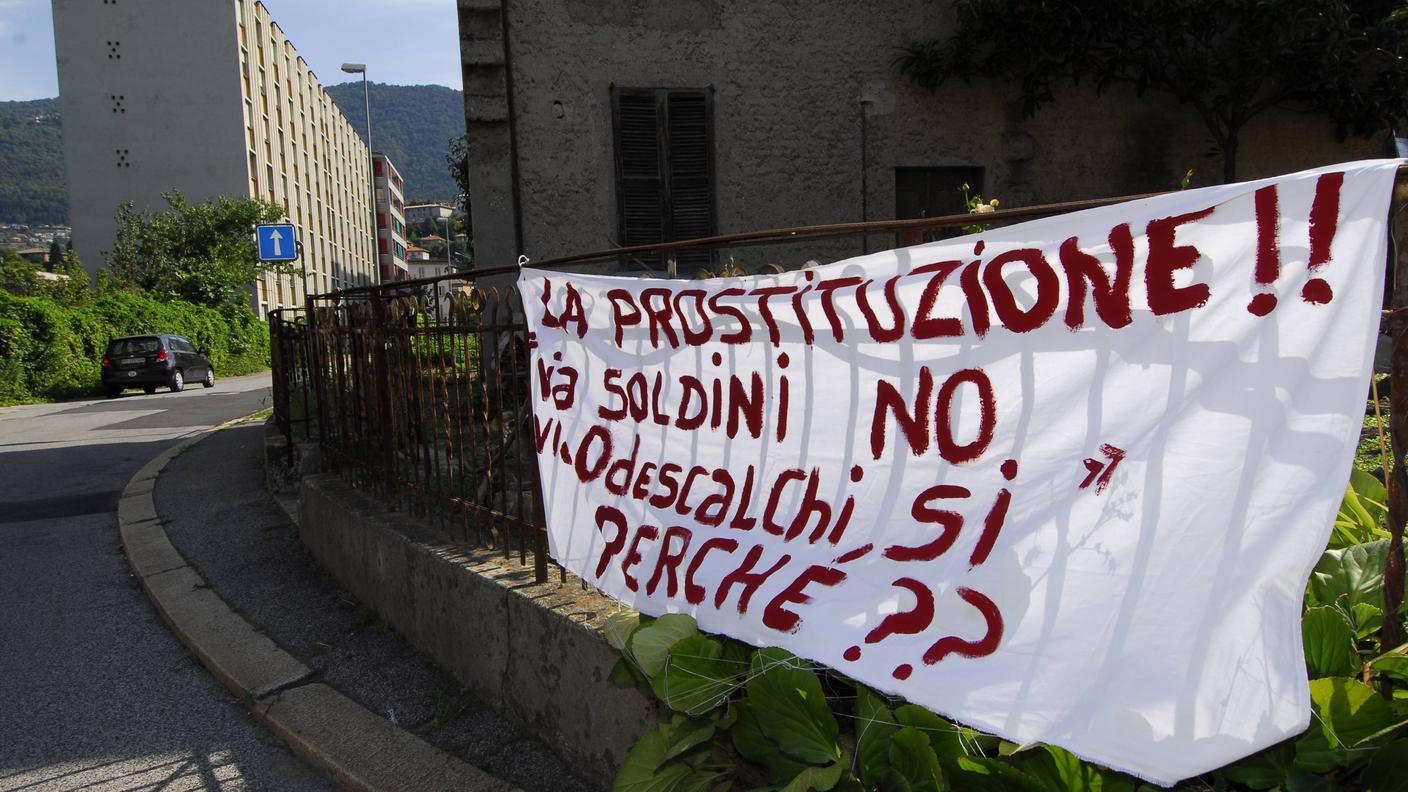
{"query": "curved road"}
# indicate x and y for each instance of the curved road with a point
(95, 692)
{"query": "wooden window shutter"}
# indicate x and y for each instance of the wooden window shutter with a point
(664, 171)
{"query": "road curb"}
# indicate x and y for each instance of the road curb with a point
(355, 747)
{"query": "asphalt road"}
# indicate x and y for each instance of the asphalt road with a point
(95, 692)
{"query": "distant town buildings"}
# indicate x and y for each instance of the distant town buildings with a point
(224, 107)
(438, 212)
(390, 219)
(14, 236)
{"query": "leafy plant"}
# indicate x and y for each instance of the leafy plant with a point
(53, 350)
(976, 205)
(201, 253)
(765, 719)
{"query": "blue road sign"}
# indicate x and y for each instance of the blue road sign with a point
(276, 242)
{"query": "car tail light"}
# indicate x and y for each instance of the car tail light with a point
(161, 354)
(106, 362)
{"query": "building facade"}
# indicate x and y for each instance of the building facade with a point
(598, 124)
(390, 219)
(224, 108)
(438, 212)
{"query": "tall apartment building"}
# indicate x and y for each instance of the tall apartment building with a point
(209, 98)
(390, 219)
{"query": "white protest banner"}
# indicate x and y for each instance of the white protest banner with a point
(1062, 481)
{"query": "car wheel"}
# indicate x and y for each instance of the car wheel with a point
(111, 392)
(209, 380)
(149, 389)
(177, 381)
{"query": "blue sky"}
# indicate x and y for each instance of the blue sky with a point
(405, 42)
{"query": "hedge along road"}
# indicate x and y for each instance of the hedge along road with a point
(95, 689)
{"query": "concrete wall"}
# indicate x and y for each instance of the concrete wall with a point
(131, 130)
(789, 79)
(533, 651)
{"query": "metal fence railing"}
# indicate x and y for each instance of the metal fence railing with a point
(288, 354)
(417, 391)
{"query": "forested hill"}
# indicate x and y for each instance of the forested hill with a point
(413, 125)
(32, 188)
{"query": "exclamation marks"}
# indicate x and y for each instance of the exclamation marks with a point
(1324, 221)
(1268, 250)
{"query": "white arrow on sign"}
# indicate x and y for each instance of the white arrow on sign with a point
(277, 236)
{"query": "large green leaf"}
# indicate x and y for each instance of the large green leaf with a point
(1344, 712)
(1350, 575)
(790, 708)
(1329, 643)
(701, 781)
(756, 747)
(651, 643)
(1393, 665)
(874, 726)
(625, 674)
(1060, 769)
(695, 678)
(1361, 512)
(1264, 769)
(816, 778)
(618, 628)
(981, 774)
(642, 771)
(1368, 619)
(685, 735)
(1301, 780)
(912, 760)
(948, 739)
(1386, 770)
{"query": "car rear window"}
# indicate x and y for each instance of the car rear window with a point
(133, 346)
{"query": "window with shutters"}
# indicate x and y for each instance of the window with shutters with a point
(665, 171)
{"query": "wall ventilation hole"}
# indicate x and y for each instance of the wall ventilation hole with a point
(113, 50)
(109, 2)
(122, 161)
(117, 100)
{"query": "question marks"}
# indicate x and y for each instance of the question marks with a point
(920, 617)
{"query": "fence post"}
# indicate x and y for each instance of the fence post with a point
(382, 374)
(1391, 636)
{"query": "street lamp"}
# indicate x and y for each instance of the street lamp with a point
(449, 255)
(361, 68)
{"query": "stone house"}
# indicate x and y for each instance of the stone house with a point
(596, 123)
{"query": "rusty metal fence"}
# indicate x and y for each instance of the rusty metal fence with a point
(418, 391)
(421, 398)
(288, 353)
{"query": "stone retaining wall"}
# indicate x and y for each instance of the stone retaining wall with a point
(534, 651)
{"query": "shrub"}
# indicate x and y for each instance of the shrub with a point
(740, 717)
(49, 350)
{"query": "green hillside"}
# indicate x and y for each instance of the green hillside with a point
(412, 124)
(32, 188)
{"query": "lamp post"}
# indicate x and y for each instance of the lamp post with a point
(449, 255)
(361, 68)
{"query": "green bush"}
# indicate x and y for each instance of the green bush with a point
(49, 350)
(737, 717)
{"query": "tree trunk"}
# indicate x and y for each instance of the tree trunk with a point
(1229, 157)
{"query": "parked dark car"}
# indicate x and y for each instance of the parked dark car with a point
(154, 361)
